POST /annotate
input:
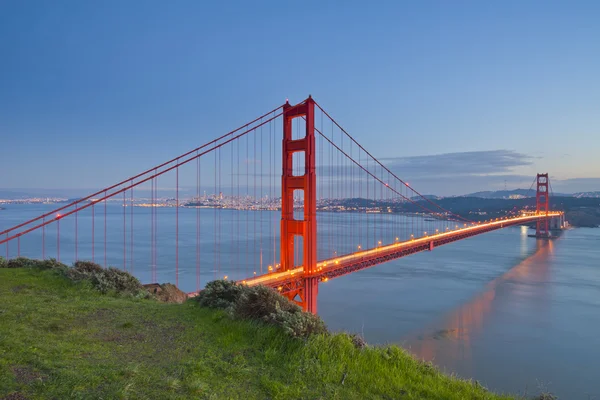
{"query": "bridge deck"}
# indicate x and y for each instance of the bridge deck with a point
(291, 281)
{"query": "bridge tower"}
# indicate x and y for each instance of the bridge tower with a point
(542, 205)
(292, 229)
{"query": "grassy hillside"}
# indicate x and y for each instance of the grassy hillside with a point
(60, 339)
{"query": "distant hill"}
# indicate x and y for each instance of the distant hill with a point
(427, 196)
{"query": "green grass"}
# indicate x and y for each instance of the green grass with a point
(64, 340)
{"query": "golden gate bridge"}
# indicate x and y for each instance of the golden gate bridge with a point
(321, 165)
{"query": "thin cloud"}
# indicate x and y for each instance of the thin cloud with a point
(472, 163)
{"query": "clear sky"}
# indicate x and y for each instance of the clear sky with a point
(457, 96)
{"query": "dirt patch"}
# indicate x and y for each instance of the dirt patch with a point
(26, 375)
(15, 396)
(167, 293)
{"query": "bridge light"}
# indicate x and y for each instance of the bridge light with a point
(359, 247)
(279, 288)
(254, 272)
(425, 233)
(244, 282)
(337, 262)
(225, 277)
(436, 231)
(325, 279)
(396, 239)
(379, 242)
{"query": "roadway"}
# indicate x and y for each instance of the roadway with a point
(291, 280)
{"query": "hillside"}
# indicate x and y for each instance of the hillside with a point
(65, 340)
(580, 212)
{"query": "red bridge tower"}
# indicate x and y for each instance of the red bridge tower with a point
(542, 205)
(306, 228)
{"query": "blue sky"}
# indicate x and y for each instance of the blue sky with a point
(474, 93)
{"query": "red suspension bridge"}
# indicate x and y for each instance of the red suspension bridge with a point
(224, 210)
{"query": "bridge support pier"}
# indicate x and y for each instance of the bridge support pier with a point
(310, 291)
(306, 228)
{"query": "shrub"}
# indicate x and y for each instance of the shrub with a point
(52, 264)
(20, 262)
(220, 294)
(121, 281)
(85, 270)
(259, 302)
(265, 304)
(298, 324)
(106, 280)
(87, 267)
(24, 262)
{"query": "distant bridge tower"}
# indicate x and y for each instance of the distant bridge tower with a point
(542, 205)
(292, 229)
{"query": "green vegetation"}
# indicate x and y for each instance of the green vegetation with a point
(61, 338)
(263, 304)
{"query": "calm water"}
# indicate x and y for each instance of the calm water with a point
(514, 313)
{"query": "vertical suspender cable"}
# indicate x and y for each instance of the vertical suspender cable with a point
(93, 230)
(76, 230)
(43, 241)
(177, 225)
(131, 231)
(57, 240)
(105, 264)
(197, 222)
(124, 230)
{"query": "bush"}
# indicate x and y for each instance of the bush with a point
(87, 267)
(298, 324)
(220, 294)
(24, 262)
(52, 264)
(121, 281)
(85, 270)
(261, 303)
(106, 280)
(20, 262)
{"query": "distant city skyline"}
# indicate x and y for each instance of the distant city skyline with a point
(453, 97)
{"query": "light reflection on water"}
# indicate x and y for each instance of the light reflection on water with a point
(452, 339)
